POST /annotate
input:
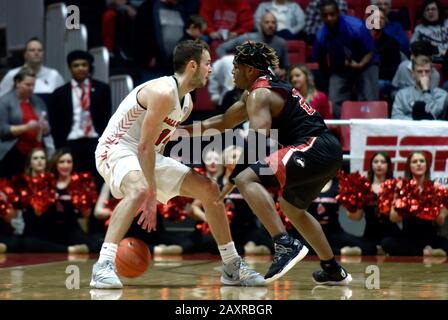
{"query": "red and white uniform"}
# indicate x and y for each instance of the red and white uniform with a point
(117, 150)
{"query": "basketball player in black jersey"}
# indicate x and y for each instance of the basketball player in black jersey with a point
(307, 158)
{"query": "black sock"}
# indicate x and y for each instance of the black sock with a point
(283, 238)
(330, 266)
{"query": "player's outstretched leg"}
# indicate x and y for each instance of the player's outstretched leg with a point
(288, 250)
(332, 273)
(235, 271)
(104, 274)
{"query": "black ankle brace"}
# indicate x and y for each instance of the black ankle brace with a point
(330, 266)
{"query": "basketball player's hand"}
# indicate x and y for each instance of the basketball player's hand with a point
(148, 217)
(225, 191)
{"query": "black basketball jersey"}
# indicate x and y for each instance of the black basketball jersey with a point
(298, 120)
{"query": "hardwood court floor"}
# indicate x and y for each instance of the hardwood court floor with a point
(196, 277)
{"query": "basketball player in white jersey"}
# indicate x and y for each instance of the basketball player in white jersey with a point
(129, 157)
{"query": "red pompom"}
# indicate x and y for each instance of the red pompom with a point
(7, 197)
(175, 209)
(42, 192)
(354, 191)
(432, 201)
(426, 203)
(386, 196)
(82, 189)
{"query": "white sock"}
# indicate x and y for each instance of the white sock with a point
(228, 252)
(108, 252)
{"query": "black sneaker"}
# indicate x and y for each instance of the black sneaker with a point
(339, 278)
(285, 257)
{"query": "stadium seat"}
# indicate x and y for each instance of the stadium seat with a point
(23, 19)
(101, 57)
(120, 86)
(439, 68)
(202, 101)
(296, 51)
(361, 110)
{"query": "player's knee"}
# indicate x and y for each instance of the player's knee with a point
(212, 192)
(239, 181)
(138, 193)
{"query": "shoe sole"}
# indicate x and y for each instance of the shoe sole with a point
(344, 282)
(236, 283)
(99, 285)
(302, 253)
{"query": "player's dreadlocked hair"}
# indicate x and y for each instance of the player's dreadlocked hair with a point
(258, 55)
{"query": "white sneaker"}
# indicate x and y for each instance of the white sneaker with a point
(162, 249)
(104, 276)
(351, 251)
(238, 273)
(251, 249)
(104, 294)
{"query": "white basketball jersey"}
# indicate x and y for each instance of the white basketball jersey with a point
(124, 128)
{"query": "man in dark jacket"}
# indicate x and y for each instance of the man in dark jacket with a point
(79, 111)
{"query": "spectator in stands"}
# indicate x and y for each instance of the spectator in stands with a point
(47, 79)
(23, 124)
(420, 101)
(302, 79)
(161, 24)
(118, 26)
(392, 26)
(57, 229)
(389, 52)
(434, 28)
(268, 27)
(220, 80)
(227, 19)
(313, 20)
(290, 17)
(195, 28)
(378, 226)
(345, 51)
(418, 237)
(404, 76)
(79, 111)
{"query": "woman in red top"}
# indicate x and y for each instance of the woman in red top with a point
(302, 80)
(22, 124)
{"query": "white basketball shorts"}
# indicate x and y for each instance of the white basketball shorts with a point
(121, 160)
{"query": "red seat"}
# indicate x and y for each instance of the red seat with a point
(357, 8)
(296, 51)
(410, 5)
(439, 68)
(361, 110)
(202, 101)
(313, 66)
(254, 4)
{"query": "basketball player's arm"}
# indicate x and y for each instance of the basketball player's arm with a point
(158, 101)
(235, 115)
(259, 110)
(260, 120)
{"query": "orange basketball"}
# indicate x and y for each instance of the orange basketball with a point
(133, 257)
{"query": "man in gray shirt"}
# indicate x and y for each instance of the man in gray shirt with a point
(268, 27)
(420, 101)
